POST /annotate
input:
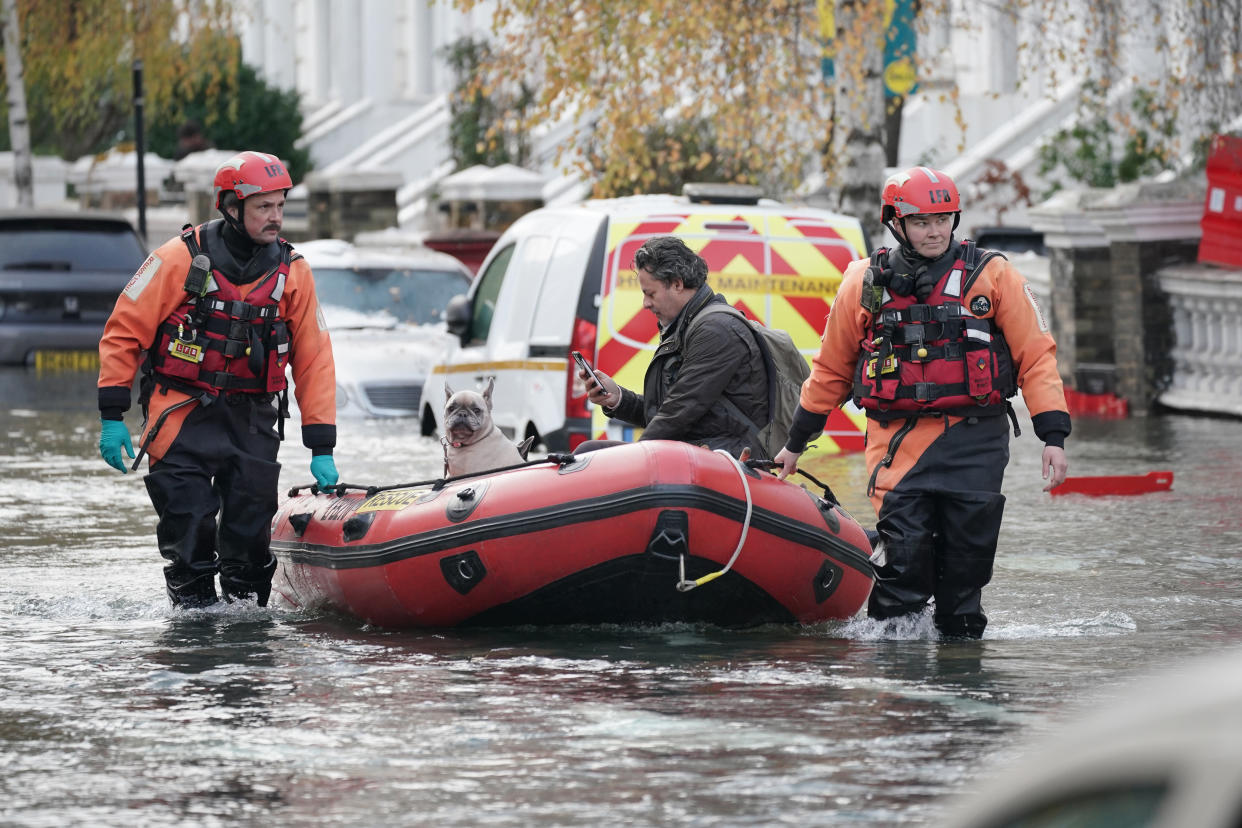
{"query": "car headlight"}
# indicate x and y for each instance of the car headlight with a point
(342, 397)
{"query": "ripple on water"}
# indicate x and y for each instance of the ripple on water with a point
(916, 627)
(1108, 623)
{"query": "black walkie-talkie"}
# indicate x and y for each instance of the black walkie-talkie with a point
(198, 277)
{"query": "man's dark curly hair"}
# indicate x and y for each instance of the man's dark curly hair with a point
(667, 258)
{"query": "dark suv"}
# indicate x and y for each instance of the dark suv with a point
(60, 275)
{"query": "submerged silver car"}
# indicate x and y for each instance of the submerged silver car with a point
(384, 310)
(60, 275)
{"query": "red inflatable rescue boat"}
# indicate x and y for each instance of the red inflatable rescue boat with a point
(647, 532)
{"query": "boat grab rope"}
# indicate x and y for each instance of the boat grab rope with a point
(770, 465)
(436, 483)
(684, 585)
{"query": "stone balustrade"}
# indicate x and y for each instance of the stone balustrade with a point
(1206, 306)
(1132, 311)
(1110, 316)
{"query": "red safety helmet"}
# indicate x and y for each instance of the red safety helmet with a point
(250, 172)
(918, 190)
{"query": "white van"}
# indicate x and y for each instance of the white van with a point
(560, 280)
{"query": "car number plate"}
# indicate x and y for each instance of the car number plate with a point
(65, 361)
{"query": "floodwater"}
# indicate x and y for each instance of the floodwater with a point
(115, 710)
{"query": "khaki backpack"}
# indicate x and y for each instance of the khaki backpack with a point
(787, 369)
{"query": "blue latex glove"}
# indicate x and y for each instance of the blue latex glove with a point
(113, 436)
(324, 469)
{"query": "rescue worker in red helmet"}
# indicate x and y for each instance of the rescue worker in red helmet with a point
(213, 318)
(930, 339)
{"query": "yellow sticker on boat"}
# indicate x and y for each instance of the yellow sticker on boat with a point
(391, 501)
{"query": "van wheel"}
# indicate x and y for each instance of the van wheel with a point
(427, 424)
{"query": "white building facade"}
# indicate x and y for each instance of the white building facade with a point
(374, 89)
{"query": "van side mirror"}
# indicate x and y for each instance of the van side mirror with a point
(457, 316)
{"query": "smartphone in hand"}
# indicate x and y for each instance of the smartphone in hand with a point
(586, 366)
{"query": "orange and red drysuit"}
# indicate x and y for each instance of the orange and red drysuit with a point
(932, 375)
(214, 376)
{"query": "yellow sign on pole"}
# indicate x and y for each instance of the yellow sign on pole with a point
(900, 43)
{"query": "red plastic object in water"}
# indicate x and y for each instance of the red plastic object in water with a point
(1099, 406)
(1117, 484)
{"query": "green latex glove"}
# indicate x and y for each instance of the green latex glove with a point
(113, 435)
(324, 469)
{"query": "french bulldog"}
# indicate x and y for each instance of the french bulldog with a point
(472, 443)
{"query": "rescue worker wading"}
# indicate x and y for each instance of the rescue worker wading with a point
(930, 339)
(219, 313)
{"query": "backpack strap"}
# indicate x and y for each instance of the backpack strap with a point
(975, 258)
(287, 253)
(197, 279)
(189, 235)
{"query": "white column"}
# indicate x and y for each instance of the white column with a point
(343, 50)
(422, 48)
